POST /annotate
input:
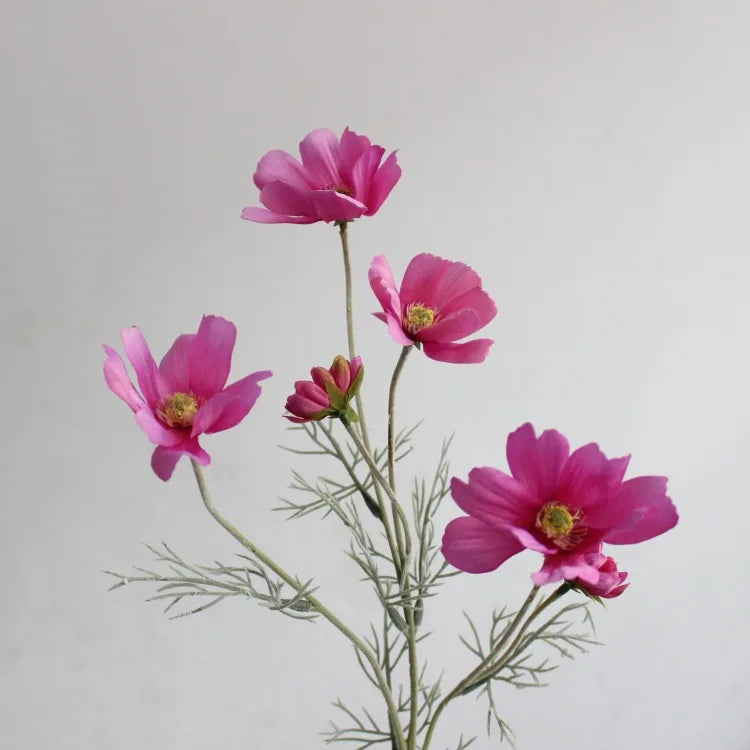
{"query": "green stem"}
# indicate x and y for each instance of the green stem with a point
(470, 678)
(316, 605)
(379, 479)
(411, 631)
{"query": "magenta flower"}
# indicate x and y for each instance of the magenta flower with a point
(185, 395)
(560, 504)
(438, 303)
(338, 180)
(610, 583)
(329, 393)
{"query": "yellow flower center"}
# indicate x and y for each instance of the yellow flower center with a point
(563, 527)
(418, 316)
(179, 410)
(343, 189)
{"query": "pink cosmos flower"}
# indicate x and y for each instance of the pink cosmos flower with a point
(185, 395)
(560, 504)
(338, 180)
(329, 393)
(438, 303)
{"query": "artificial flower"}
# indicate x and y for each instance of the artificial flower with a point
(337, 180)
(611, 580)
(329, 393)
(438, 303)
(184, 396)
(560, 504)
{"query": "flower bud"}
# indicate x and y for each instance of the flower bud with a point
(328, 394)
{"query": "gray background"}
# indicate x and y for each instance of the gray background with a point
(589, 159)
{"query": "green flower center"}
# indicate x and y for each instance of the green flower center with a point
(563, 527)
(179, 409)
(418, 316)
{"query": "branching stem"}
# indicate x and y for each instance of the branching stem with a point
(316, 604)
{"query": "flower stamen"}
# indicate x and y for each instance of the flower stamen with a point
(563, 527)
(418, 316)
(179, 409)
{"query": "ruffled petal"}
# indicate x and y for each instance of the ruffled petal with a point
(589, 476)
(364, 172)
(279, 166)
(382, 183)
(644, 511)
(422, 279)
(210, 355)
(351, 149)
(537, 462)
(472, 352)
(174, 366)
(475, 547)
(231, 406)
(494, 498)
(457, 280)
(118, 381)
(475, 299)
(151, 382)
(320, 156)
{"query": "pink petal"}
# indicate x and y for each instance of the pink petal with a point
(263, 216)
(384, 287)
(332, 206)
(494, 498)
(450, 328)
(394, 328)
(302, 406)
(566, 567)
(174, 366)
(475, 299)
(588, 476)
(458, 279)
(231, 406)
(210, 355)
(527, 540)
(153, 386)
(320, 156)
(351, 149)
(157, 432)
(281, 198)
(382, 183)
(279, 166)
(475, 547)
(472, 352)
(422, 279)
(646, 511)
(118, 381)
(364, 171)
(163, 460)
(537, 463)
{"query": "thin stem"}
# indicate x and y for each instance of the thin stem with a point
(380, 480)
(344, 235)
(391, 415)
(316, 605)
(470, 678)
(411, 633)
(490, 670)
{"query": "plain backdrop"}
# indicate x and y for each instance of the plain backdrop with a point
(590, 159)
